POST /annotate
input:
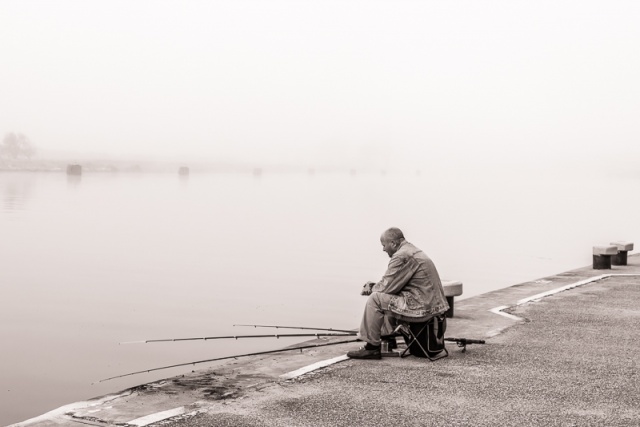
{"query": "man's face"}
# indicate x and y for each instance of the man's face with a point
(388, 245)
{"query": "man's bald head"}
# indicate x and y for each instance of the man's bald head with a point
(391, 240)
(393, 233)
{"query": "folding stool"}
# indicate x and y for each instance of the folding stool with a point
(424, 338)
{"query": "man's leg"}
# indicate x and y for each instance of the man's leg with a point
(388, 325)
(373, 320)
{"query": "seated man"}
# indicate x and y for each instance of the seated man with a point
(410, 289)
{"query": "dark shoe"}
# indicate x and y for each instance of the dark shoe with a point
(365, 353)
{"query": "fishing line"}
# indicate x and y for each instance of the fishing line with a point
(317, 335)
(301, 327)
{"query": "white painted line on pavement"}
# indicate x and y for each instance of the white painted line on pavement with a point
(498, 310)
(313, 367)
(158, 416)
(536, 297)
(563, 288)
(54, 415)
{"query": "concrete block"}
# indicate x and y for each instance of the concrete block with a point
(602, 262)
(621, 257)
(602, 256)
(452, 288)
(623, 246)
(605, 250)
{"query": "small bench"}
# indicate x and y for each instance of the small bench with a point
(602, 256)
(452, 288)
(621, 257)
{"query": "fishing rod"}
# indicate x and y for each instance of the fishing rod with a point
(317, 335)
(302, 327)
(229, 357)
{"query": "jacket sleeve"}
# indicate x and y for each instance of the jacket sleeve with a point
(398, 274)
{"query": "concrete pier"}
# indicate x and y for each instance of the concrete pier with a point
(561, 350)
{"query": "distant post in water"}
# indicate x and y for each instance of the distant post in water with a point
(621, 257)
(602, 256)
(74, 169)
(183, 171)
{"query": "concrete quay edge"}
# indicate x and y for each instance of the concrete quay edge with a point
(177, 399)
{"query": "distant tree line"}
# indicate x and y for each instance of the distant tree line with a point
(16, 146)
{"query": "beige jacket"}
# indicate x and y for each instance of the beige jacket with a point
(414, 281)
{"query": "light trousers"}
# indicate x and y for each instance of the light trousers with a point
(376, 320)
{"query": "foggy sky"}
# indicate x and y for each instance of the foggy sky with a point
(391, 83)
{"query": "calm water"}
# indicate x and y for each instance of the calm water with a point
(88, 263)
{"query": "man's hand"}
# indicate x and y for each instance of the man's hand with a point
(366, 289)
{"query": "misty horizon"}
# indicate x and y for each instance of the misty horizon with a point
(401, 85)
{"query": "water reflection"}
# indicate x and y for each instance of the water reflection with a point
(73, 180)
(16, 190)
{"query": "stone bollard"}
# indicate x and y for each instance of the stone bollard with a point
(74, 169)
(602, 256)
(452, 288)
(621, 257)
